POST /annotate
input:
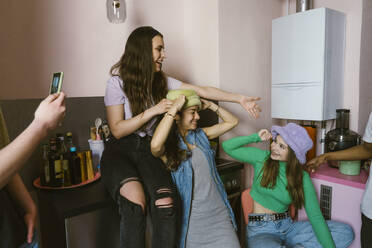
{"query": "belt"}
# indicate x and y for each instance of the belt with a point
(268, 217)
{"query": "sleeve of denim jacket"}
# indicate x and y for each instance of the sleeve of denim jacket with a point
(314, 214)
(236, 149)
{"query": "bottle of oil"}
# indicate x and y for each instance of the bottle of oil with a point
(55, 168)
(69, 141)
(75, 166)
(45, 168)
(66, 178)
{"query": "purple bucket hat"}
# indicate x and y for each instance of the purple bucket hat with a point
(296, 137)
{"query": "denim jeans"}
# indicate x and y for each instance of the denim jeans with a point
(296, 234)
(130, 157)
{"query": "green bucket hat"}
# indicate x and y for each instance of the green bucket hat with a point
(192, 99)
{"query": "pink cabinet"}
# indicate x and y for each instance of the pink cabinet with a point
(339, 197)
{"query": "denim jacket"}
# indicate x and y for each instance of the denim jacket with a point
(183, 179)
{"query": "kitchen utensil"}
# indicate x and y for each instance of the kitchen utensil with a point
(98, 123)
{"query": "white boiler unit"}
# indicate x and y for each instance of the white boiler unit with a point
(308, 65)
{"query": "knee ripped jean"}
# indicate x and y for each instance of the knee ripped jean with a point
(130, 159)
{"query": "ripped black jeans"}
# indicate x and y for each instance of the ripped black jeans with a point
(129, 159)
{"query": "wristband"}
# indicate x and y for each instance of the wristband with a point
(168, 114)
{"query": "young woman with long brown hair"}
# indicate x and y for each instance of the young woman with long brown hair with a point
(135, 97)
(207, 219)
(279, 181)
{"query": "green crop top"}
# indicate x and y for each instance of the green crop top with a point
(278, 198)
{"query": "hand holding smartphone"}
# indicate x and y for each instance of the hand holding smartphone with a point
(56, 84)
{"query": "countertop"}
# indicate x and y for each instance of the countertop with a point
(330, 174)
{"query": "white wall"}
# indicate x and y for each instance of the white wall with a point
(41, 36)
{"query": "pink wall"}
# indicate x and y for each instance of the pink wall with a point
(40, 37)
(245, 59)
(353, 10)
(245, 54)
(365, 87)
(219, 43)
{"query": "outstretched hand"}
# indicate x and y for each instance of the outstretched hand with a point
(314, 163)
(264, 134)
(250, 105)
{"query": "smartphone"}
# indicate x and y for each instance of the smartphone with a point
(56, 85)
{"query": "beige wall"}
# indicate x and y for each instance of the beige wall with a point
(353, 11)
(40, 37)
(245, 52)
(245, 60)
(245, 56)
(365, 87)
(221, 43)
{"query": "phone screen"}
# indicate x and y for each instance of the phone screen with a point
(56, 85)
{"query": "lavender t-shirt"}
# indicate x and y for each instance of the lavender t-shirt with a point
(115, 96)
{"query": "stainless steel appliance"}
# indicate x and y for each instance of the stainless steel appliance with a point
(342, 137)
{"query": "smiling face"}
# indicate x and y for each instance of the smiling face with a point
(279, 149)
(189, 119)
(158, 52)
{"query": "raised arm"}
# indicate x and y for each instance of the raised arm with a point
(162, 131)
(212, 93)
(229, 120)
(47, 116)
(235, 148)
(120, 127)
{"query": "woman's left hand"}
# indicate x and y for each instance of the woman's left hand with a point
(249, 104)
(265, 134)
(30, 220)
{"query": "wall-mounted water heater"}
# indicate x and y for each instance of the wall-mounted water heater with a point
(308, 65)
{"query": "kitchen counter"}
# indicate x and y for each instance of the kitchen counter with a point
(333, 175)
(87, 216)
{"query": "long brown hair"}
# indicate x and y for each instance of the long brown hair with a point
(172, 152)
(143, 86)
(294, 177)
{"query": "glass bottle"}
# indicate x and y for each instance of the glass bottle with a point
(45, 168)
(66, 178)
(75, 166)
(69, 141)
(55, 168)
(106, 131)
